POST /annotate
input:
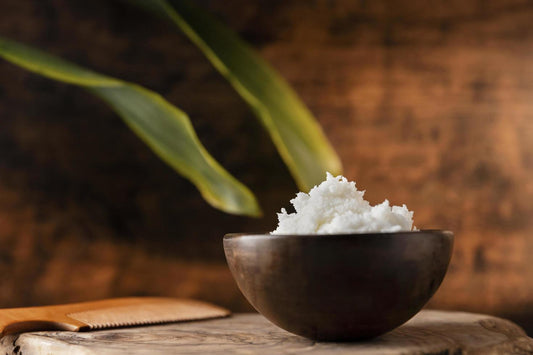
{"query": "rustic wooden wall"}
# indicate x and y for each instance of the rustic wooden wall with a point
(429, 103)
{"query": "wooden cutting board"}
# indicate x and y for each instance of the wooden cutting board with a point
(430, 332)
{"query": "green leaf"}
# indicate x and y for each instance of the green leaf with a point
(297, 136)
(162, 126)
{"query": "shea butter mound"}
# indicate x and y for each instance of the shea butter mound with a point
(337, 207)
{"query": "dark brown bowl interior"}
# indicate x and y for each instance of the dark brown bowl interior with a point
(339, 287)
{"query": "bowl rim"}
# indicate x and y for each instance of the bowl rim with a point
(437, 232)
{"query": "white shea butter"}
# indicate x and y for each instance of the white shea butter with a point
(337, 207)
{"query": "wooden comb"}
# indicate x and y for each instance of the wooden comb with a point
(108, 313)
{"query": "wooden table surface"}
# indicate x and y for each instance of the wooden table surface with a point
(430, 332)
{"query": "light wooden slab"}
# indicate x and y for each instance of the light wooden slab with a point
(430, 332)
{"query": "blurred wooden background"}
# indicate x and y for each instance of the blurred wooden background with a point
(428, 103)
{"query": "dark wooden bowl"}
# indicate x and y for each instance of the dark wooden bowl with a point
(339, 287)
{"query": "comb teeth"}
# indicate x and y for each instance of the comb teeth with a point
(147, 313)
(136, 323)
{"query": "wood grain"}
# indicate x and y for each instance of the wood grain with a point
(427, 102)
(430, 332)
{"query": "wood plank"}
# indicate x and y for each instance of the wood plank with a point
(430, 332)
